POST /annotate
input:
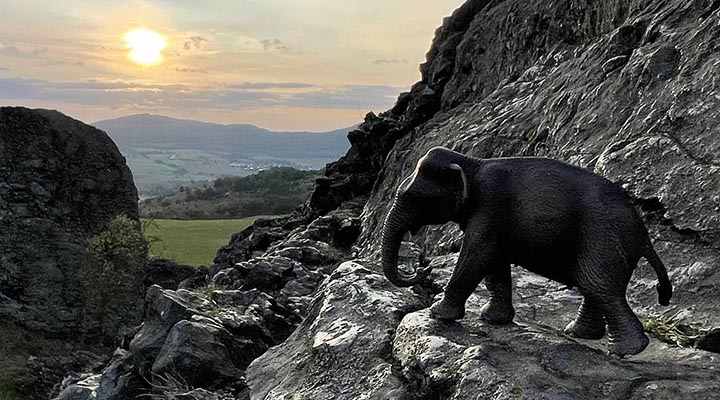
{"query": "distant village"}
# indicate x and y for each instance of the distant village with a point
(261, 166)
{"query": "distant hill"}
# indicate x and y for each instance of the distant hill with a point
(165, 153)
(271, 192)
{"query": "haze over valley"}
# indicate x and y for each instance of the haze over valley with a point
(165, 153)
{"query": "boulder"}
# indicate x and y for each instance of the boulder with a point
(167, 273)
(342, 349)
(61, 182)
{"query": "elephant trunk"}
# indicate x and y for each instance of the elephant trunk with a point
(396, 224)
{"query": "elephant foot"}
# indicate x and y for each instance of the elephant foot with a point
(628, 345)
(497, 313)
(581, 330)
(447, 310)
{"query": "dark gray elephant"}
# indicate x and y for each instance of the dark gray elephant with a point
(557, 220)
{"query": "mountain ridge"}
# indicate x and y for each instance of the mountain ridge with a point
(165, 152)
(175, 119)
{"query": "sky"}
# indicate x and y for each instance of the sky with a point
(279, 64)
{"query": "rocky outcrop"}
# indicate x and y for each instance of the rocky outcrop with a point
(61, 181)
(201, 340)
(625, 88)
(365, 338)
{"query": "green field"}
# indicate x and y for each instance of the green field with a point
(192, 242)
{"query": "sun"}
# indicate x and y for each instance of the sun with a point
(145, 46)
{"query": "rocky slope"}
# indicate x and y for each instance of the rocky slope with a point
(61, 181)
(624, 87)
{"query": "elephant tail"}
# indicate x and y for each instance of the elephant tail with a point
(664, 287)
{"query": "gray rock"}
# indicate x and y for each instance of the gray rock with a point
(85, 389)
(655, 137)
(167, 273)
(61, 181)
(710, 341)
(331, 354)
(341, 351)
(119, 379)
(202, 351)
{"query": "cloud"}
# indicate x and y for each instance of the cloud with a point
(21, 51)
(275, 45)
(389, 61)
(57, 63)
(191, 70)
(119, 94)
(270, 85)
(116, 94)
(194, 42)
(365, 97)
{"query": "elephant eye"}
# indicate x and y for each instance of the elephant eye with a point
(435, 173)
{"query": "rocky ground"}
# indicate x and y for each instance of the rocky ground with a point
(627, 88)
(398, 351)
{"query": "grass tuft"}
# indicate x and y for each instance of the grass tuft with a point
(672, 330)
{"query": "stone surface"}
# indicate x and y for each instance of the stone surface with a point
(61, 181)
(710, 341)
(342, 349)
(626, 88)
(531, 82)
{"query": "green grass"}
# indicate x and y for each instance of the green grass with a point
(192, 242)
(672, 330)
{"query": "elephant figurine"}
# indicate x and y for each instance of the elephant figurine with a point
(552, 218)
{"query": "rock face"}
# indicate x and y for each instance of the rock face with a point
(626, 88)
(61, 181)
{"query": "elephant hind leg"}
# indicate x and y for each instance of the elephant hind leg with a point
(604, 284)
(626, 333)
(499, 310)
(606, 289)
(589, 323)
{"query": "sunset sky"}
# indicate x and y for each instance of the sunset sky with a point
(279, 64)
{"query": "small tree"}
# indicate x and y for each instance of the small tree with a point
(113, 278)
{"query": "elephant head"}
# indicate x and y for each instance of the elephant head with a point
(435, 193)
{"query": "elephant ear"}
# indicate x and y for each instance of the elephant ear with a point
(462, 181)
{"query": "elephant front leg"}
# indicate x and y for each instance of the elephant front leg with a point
(499, 310)
(589, 323)
(474, 263)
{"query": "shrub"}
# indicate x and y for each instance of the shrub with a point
(113, 278)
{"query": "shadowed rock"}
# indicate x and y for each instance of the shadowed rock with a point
(61, 182)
